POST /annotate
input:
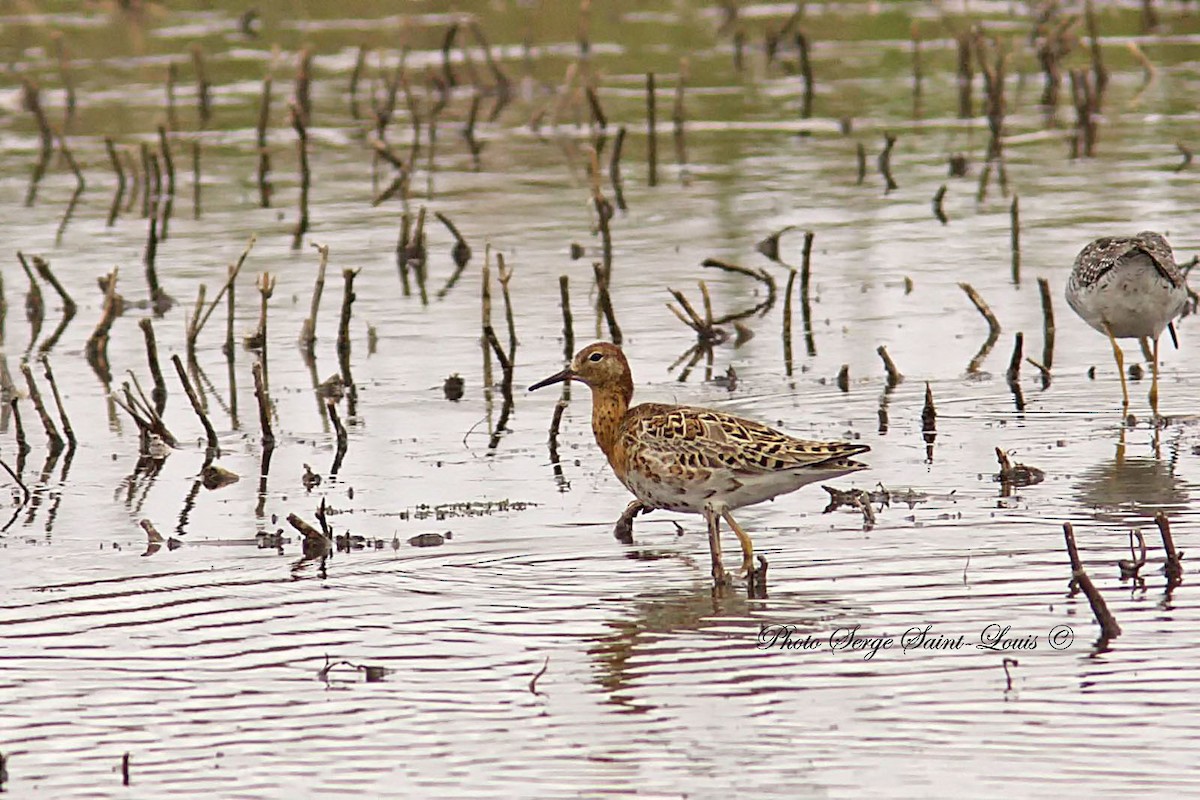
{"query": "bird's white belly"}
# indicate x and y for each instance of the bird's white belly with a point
(1133, 300)
(719, 487)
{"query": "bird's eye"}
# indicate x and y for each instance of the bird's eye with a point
(595, 356)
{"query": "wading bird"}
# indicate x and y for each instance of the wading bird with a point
(1129, 288)
(695, 460)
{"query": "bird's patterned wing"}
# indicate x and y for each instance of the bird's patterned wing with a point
(677, 437)
(1102, 255)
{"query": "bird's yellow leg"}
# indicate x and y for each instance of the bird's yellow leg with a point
(744, 538)
(1120, 357)
(1154, 381)
(714, 545)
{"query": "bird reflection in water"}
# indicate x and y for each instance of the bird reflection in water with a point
(1131, 485)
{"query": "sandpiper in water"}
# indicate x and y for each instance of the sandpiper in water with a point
(1129, 288)
(695, 460)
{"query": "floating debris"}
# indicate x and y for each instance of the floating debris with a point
(1015, 474)
(215, 477)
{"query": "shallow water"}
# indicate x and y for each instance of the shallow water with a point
(205, 662)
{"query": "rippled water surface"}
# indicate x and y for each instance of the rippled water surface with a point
(531, 653)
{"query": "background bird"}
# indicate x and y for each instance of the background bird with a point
(1129, 288)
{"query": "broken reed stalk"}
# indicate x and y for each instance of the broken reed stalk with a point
(168, 162)
(315, 541)
(160, 301)
(787, 322)
(894, 376)
(614, 168)
(22, 443)
(303, 84)
(35, 304)
(1085, 98)
(928, 422)
(305, 175)
(266, 287)
(72, 164)
(860, 154)
(568, 325)
(32, 101)
(461, 252)
(343, 338)
(1109, 629)
(58, 403)
(264, 407)
(308, 331)
(97, 344)
(43, 270)
(198, 321)
(1172, 567)
(885, 162)
(604, 213)
(195, 179)
(966, 74)
(1047, 324)
(810, 344)
(599, 120)
(605, 303)
(340, 434)
(131, 166)
(203, 105)
(1099, 72)
(555, 424)
(65, 75)
(506, 367)
(502, 86)
(473, 145)
(1014, 215)
(115, 160)
(651, 135)
(209, 433)
(504, 274)
(1013, 374)
(806, 75)
(360, 62)
(159, 393)
(760, 275)
(993, 326)
(677, 117)
(938, 211)
(264, 154)
(35, 397)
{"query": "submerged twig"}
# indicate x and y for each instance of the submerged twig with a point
(1109, 629)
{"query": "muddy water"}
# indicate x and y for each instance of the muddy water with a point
(210, 663)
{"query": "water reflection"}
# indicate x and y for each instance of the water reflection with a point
(1124, 486)
(669, 631)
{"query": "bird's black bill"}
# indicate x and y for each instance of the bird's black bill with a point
(1174, 336)
(559, 377)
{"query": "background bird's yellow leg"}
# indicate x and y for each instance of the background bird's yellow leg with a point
(1154, 381)
(1120, 357)
(714, 545)
(744, 538)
